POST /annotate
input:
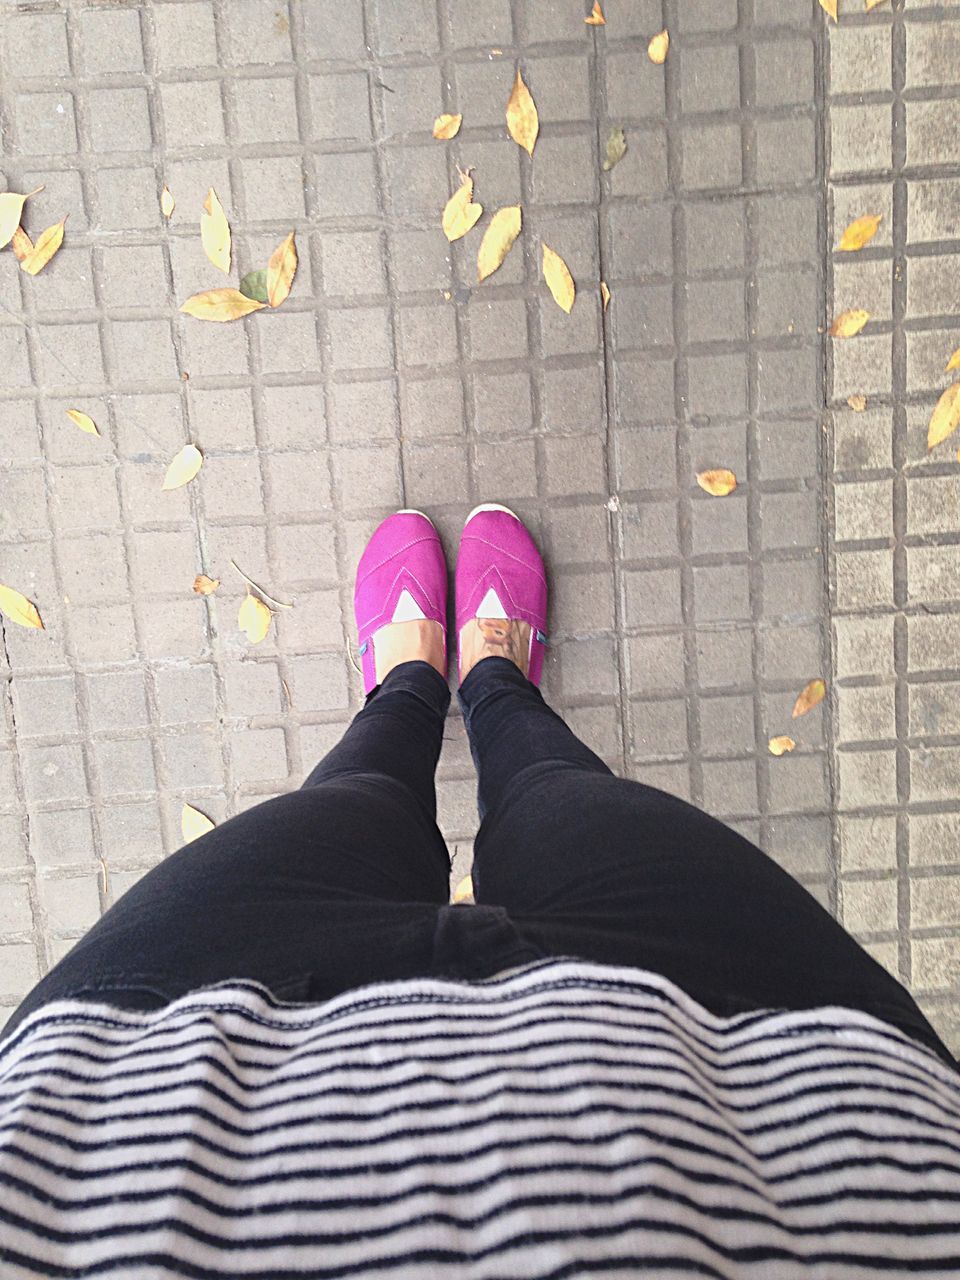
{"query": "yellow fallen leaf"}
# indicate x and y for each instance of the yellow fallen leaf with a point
(167, 202)
(857, 403)
(183, 467)
(860, 232)
(719, 482)
(21, 244)
(193, 823)
(849, 324)
(447, 126)
(558, 277)
(460, 213)
(464, 890)
(808, 697)
(780, 745)
(953, 362)
(604, 294)
(945, 417)
(19, 609)
(254, 618)
(523, 122)
(596, 18)
(83, 421)
(281, 269)
(11, 210)
(829, 7)
(220, 305)
(47, 245)
(498, 240)
(205, 586)
(215, 232)
(658, 48)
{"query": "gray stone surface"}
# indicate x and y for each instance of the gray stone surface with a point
(682, 625)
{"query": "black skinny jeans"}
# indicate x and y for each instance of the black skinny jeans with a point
(346, 881)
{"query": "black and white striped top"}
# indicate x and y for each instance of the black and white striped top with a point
(562, 1119)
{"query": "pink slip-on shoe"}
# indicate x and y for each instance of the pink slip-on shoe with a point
(402, 575)
(500, 574)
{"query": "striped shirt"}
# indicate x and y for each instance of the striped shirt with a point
(561, 1119)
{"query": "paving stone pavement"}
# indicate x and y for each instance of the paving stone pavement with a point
(683, 626)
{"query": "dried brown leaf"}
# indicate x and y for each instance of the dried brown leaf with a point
(447, 126)
(48, 242)
(11, 210)
(215, 232)
(205, 586)
(19, 609)
(857, 403)
(220, 305)
(193, 823)
(809, 696)
(658, 48)
(860, 232)
(719, 482)
(829, 7)
(183, 468)
(781, 745)
(558, 278)
(523, 122)
(460, 213)
(254, 618)
(945, 417)
(849, 324)
(604, 294)
(83, 421)
(596, 18)
(498, 240)
(167, 202)
(281, 269)
(21, 244)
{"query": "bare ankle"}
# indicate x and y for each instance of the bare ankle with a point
(412, 641)
(494, 637)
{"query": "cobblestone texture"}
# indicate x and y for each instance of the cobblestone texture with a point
(682, 625)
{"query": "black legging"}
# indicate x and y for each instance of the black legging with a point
(346, 881)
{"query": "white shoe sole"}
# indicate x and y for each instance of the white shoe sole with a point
(412, 511)
(489, 506)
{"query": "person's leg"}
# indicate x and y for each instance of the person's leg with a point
(598, 866)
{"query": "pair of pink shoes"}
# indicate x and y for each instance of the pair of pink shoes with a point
(402, 575)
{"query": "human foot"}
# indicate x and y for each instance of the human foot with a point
(501, 591)
(400, 598)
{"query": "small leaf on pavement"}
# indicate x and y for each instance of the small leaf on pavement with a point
(849, 324)
(183, 467)
(215, 232)
(616, 148)
(254, 285)
(220, 305)
(596, 18)
(523, 122)
(83, 421)
(953, 362)
(658, 48)
(809, 696)
(11, 210)
(945, 417)
(829, 7)
(558, 277)
(718, 483)
(205, 586)
(497, 240)
(460, 213)
(780, 745)
(281, 269)
(21, 244)
(19, 609)
(254, 618)
(193, 823)
(860, 232)
(857, 403)
(447, 126)
(167, 202)
(48, 242)
(604, 294)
